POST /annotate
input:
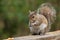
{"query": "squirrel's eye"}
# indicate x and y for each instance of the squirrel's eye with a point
(32, 16)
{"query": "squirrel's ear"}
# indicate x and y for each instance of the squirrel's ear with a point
(29, 11)
(35, 11)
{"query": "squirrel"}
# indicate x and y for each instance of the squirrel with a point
(41, 19)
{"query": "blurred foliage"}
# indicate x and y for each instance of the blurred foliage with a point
(14, 16)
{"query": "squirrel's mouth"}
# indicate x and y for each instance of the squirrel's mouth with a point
(32, 21)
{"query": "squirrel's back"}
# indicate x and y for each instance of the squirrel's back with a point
(47, 10)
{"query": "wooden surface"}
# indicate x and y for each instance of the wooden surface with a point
(48, 36)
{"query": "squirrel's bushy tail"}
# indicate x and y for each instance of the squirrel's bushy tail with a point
(48, 11)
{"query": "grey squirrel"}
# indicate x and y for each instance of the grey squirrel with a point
(40, 20)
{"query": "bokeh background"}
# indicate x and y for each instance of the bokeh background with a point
(14, 16)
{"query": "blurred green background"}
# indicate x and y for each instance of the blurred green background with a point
(14, 16)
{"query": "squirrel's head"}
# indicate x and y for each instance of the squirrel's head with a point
(32, 16)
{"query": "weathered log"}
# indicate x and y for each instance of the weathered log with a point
(48, 36)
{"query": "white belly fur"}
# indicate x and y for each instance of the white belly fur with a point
(37, 30)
